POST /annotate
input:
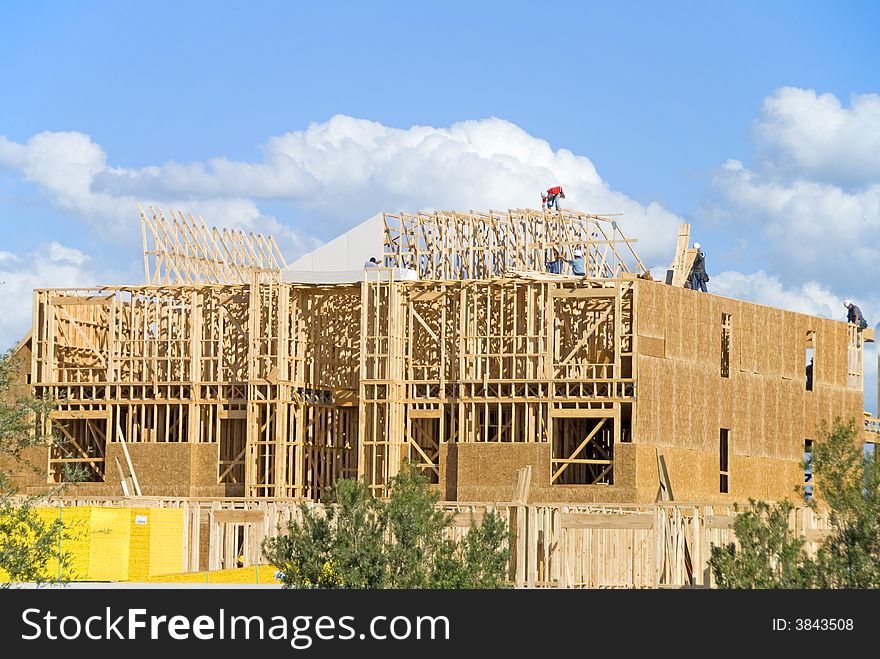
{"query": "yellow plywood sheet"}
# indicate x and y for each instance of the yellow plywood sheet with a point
(109, 544)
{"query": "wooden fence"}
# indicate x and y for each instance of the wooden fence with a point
(552, 545)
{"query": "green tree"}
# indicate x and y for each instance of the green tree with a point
(28, 545)
(769, 555)
(359, 541)
(849, 484)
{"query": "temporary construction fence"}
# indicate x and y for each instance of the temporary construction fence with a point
(116, 543)
(552, 545)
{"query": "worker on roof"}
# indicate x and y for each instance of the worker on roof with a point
(578, 265)
(372, 263)
(698, 276)
(554, 261)
(854, 315)
(551, 198)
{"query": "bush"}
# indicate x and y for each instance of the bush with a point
(848, 489)
(28, 545)
(358, 541)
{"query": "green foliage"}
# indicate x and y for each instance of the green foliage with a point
(17, 415)
(849, 483)
(848, 492)
(363, 542)
(769, 556)
(28, 545)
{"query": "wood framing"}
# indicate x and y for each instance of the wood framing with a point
(482, 366)
(453, 245)
(180, 249)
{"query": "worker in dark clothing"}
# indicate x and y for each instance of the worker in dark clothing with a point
(698, 276)
(554, 261)
(854, 315)
(550, 199)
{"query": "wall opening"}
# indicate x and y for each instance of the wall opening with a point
(583, 451)
(808, 469)
(77, 452)
(723, 459)
(232, 447)
(809, 355)
(626, 422)
(725, 345)
(424, 446)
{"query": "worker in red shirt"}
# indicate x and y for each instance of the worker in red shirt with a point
(550, 199)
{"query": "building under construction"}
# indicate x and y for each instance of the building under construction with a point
(231, 373)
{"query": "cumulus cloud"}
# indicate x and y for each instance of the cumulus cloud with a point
(331, 176)
(810, 298)
(73, 171)
(334, 175)
(814, 190)
(806, 134)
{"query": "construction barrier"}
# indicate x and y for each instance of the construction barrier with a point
(156, 545)
(118, 544)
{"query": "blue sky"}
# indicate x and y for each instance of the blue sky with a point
(758, 122)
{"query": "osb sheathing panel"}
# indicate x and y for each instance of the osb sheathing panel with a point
(487, 472)
(793, 352)
(30, 472)
(647, 321)
(695, 476)
(647, 396)
(162, 469)
(204, 467)
(764, 402)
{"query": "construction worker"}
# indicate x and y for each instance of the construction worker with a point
(554, 261)
(698, 276)
(854, 315)
(550, 199)
(372, 263)
(578, 265)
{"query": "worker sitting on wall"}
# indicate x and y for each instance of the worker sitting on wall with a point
(854, 315)
(372, 263)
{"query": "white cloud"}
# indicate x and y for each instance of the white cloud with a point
(810, 298)
(814, 190)
(810, 135)
(334, 175)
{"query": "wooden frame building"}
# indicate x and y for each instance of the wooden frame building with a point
(461, 354)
